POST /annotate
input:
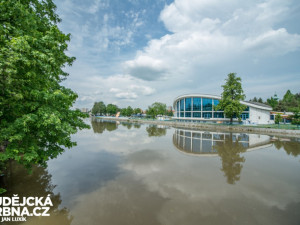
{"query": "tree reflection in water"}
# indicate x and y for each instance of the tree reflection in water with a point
(229, 151)
(291, 146)
(99, 126)
(128, 125)
(156, 131)
(37, 184)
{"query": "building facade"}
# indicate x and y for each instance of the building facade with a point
(201, 107)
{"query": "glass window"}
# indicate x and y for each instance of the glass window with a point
(218, 115)
(177, 108)
(207, 104)
(188, 114)
(247, 109)
(245, 116)
(216, 102)
(196, 104)
(188, 104)
(177, 113)
(207, 115)
(182, 114)
(197, 114)
(182, 105)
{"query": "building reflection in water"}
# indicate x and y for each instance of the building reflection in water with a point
(228, 146)
(204, 142)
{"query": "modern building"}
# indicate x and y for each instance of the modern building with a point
(201, 107)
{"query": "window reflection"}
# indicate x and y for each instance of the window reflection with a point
(207, 104)
(196, 104)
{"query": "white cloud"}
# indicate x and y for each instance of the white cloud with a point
(96, 5)
(126, 95)
(206, 33)
(146, 68)
(117, 89)
(272, 42)
(207, 39)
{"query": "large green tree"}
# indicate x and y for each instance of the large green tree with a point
(129, 111)
(111, 109)
(99, 108)
(232, 95)
(137, 111)
(36, 119)
(157, 108)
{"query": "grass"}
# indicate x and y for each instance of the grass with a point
(279, 126)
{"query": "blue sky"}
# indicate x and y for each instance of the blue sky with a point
(136, 52)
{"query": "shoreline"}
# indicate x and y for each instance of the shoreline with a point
(211, 127)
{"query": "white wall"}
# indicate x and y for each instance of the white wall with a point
(259, 116)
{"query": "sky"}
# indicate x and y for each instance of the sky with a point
(137, 52)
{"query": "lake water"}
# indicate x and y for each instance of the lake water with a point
(123, 173)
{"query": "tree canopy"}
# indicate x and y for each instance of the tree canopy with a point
(289, 103)
(232, 95)
(157, 108)
(111, 109)
(36, 119)
(99, 108)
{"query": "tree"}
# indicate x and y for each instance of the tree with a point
(157, 108)
(99, 108)
(288, 97)
(231, 97)
(111, 109)
(273, 102)
(137, 111)
(296, 118)
(129, 111)
(123, 111)
(278, 118)
(36, 119)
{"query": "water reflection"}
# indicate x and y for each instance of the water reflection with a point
(156, 130)
(204, 142)
(290, 145)
(228, 146)
(37, 184)
(136, 176)
(100, 125)
(229, 151)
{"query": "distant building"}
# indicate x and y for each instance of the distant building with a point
(200, 107)
(286, 116)
(84, 110)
